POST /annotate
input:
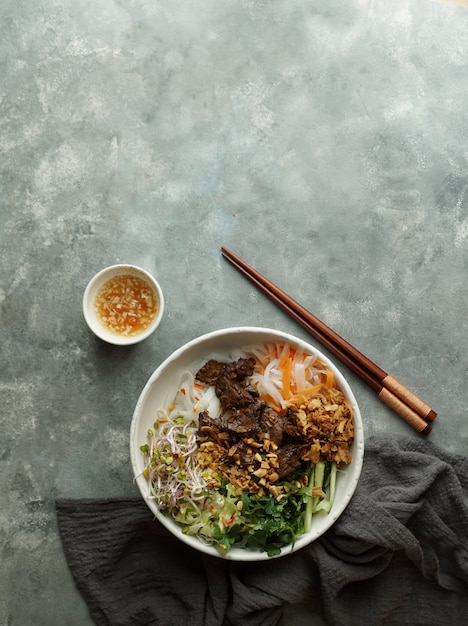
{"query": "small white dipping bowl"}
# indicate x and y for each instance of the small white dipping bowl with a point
(191, 356)
(92, 290)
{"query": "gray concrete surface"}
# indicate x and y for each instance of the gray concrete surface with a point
(324, 142)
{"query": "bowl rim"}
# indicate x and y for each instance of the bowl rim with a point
(93, 287)
(238, 554)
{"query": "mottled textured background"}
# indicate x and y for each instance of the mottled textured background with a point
(325, 142)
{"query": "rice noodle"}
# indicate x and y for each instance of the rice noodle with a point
(306, 370)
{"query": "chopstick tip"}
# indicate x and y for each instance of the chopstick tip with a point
(426, 430)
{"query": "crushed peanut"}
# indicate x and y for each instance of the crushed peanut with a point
(323, 424)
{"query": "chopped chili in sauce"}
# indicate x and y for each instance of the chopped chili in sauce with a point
(126, 305)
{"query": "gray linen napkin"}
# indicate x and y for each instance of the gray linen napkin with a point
(398, 555)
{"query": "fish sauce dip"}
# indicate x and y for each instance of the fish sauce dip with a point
(126, 305)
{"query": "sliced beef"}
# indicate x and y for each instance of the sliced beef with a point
(233, 395)
(289, 459)
(210, 372)
(272, 425)
(240, 369)
(232, 387)
(205, 420)
(208, 427)
(230, 381)
(245, 421)
(241, 423)
(213, 370)
(291, 431)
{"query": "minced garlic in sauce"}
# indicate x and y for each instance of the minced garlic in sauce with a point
(126, 305)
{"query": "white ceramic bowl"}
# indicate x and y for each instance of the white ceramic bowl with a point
(190, 356)
(89, 297)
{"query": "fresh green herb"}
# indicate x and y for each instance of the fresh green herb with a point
(266, 523)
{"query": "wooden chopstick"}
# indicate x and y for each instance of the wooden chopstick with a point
(409, 406)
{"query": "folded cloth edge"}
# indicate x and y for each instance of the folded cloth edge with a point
(324, 553)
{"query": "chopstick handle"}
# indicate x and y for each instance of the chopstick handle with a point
(404, 411)
(385, 394)
(270, 288)
(395, 395)
(409, 398)
(390, 399)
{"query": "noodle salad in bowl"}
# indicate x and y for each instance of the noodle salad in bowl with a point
(247, 443)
